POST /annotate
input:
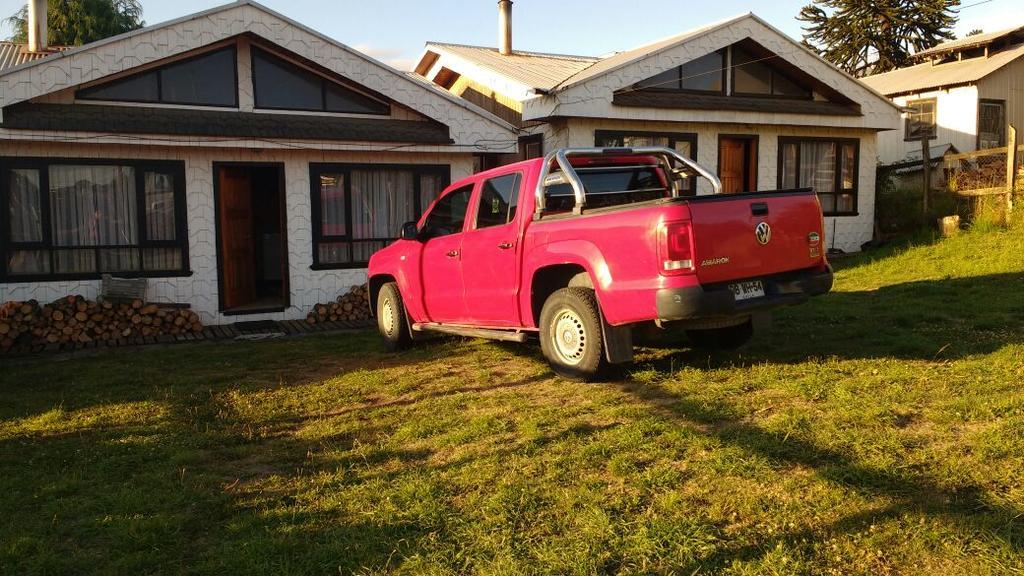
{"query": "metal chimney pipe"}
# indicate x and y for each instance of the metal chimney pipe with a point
(505, 27)
(37, 31)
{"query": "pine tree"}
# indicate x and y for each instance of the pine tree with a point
(76, 22)
(872, 36)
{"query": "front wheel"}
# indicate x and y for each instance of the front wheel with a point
(570, 333)
(391, 319)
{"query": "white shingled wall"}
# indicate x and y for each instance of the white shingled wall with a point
(307, 287)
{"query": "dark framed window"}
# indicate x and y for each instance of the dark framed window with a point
(991, 124)
(828, 165)
(79, 219)
(499, 198)
(684, 142)
(531, 146)
(282, 85)
(358, 209)
(754, 76)
(705, 74)
(207, 79)
(920, 120)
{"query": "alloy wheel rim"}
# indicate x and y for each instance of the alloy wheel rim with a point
(569, 337)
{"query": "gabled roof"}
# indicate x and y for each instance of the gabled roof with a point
(928, 76)
(16, 53)
(82, 64)
(534, 69)
(968, 42)
(618, 59)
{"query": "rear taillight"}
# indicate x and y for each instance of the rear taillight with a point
(675, 248)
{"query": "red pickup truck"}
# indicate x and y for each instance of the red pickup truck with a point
(584, 245)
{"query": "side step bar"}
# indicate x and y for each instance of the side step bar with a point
(505, 335)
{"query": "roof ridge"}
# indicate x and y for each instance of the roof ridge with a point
(575, 57)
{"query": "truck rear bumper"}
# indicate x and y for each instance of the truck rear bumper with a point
(695, 302)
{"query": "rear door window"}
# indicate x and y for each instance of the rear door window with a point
(609, 186)
(449, 214)
(499, 198)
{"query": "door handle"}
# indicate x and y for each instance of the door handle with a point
(452, 253)
(759, 209)
(506, 245)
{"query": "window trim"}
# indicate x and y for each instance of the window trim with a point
(679, 77)
(233, 48)
(318, 237)
(673, 138)
(839, 142)
(773, 70)
(1002, 104)
(324, 79)
(935, 119)
(530, 139)
(42, 164)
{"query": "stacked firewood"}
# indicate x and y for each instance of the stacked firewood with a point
(351, 306)
(75, 319)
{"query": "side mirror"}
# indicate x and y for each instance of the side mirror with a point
(409, 231)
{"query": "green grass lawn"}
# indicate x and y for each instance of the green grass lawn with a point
(877, 430)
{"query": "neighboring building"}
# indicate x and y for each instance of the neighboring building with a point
(242, 162)
(738, 95)
(962, 94)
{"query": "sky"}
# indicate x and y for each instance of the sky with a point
(395, 30)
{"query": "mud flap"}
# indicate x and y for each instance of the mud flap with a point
(618, 342)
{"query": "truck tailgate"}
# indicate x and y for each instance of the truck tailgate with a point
(747, 235)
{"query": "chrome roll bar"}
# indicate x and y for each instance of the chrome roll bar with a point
(569, 176)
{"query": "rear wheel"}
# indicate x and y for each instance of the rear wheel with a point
(729, 338)
(391, 319)
(570, 333)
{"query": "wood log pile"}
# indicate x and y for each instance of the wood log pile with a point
(75, 319)
(352, 306)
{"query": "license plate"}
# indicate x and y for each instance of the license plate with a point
(747, 290)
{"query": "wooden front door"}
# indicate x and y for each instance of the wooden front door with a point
(237, 249)
(737, 164)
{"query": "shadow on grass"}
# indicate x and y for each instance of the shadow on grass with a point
(905, 492)
(934, 320)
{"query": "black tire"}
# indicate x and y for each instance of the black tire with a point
(729, 338)
(392, 322)
(572, 314)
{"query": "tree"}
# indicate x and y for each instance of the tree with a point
(871, 36)
(975, 32)
(77, 22)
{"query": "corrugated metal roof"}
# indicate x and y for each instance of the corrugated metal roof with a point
(14, 53)
(534, 69)
(969, 42)
(928, 76)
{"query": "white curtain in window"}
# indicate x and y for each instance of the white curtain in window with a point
(332, 204)
(25, 207)
(159, 194)
(430, 186)
(382, 200)
(818, 171)
(93, 206)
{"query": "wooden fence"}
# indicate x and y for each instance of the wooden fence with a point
(991, 172)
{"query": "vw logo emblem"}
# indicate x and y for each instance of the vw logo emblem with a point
(763, 233)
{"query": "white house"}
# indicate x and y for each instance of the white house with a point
(242, 162)
(738, 95)
(961, 94)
